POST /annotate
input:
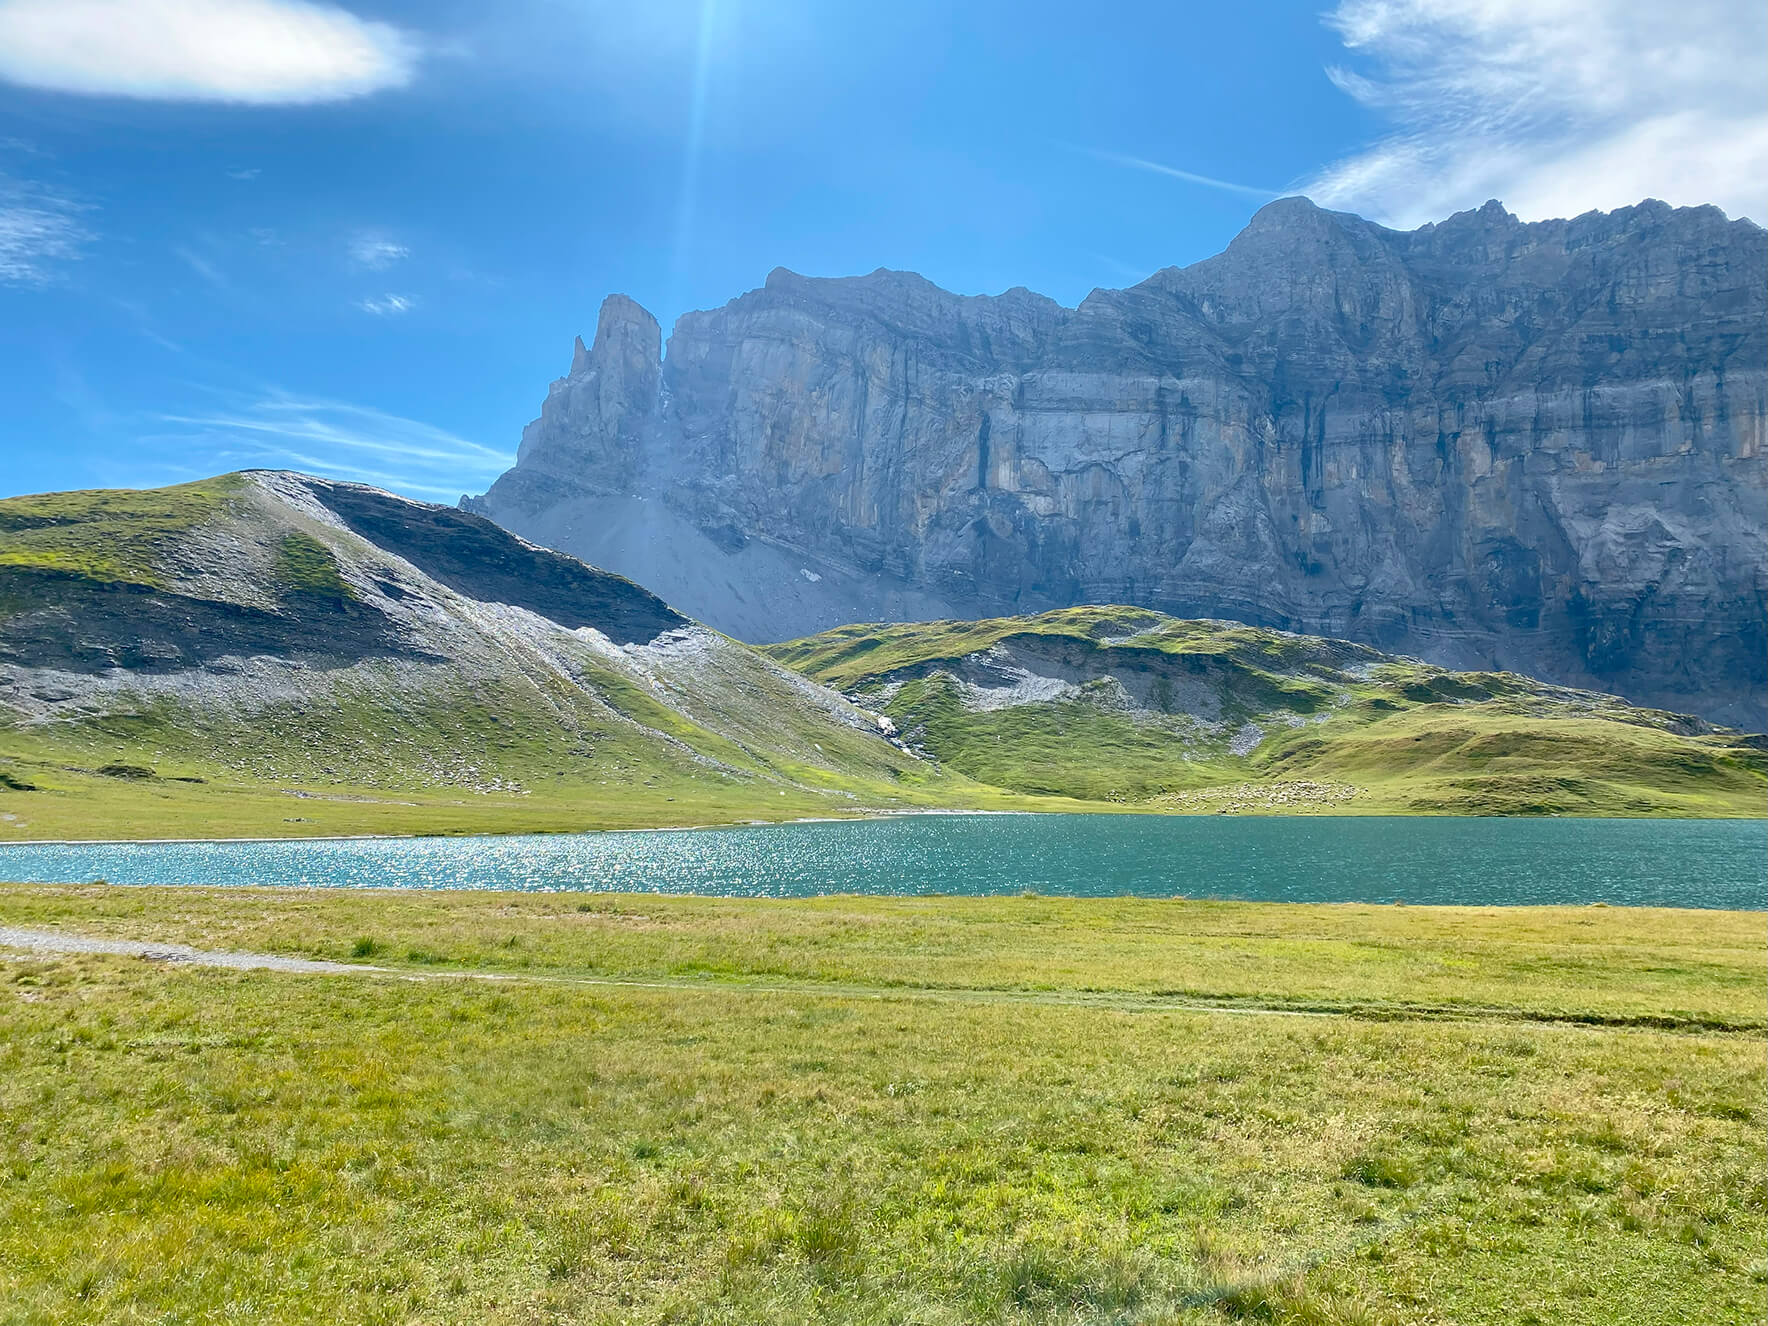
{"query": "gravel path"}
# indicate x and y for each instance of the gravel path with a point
(14, 940)
(56, 941)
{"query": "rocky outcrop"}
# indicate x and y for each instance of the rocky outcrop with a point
(1491, 444)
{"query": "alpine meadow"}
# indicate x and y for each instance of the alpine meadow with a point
(1122, 682)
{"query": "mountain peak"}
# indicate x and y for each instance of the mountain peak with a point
(1436, 441)
(624, 318)
(1285, 211)
(1277, 227)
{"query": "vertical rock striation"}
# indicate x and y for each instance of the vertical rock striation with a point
(1492, 444)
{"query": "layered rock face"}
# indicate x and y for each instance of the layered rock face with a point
(1491, 444)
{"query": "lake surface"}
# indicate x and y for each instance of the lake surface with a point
(1678, 863)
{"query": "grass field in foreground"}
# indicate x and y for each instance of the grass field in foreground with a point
(903, 1110)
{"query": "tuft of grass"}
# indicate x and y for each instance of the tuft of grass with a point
(304, 565)
(1383, 1168)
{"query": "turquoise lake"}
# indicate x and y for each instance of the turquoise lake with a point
(1675, 863)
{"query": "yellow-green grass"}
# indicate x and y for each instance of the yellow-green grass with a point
(496, 760)
(112, 535)
(80, 804)
(1492, 759)
(1408, 737)
(799, 1120)
(851, 655)
(1677, 966)
(205, 780)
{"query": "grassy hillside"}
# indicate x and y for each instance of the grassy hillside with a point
(1129, 706)
(1020, 1111)
(268, 654)
(111, 535)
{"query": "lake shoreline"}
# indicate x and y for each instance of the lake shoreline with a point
(557, 833)
(877, 815)
(414, 892)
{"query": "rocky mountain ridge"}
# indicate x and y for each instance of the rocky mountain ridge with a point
(1491, 444)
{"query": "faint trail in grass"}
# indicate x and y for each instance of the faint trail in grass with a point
(58, 942)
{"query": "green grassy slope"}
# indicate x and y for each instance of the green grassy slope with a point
(220, 659)
(1125, 705)
(777, 1120)
(111, 535)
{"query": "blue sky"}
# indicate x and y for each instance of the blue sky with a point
(359, 240)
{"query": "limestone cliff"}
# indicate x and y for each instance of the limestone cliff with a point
(1488, 443)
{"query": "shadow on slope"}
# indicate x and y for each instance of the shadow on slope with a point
(479, 559)
(56, 619)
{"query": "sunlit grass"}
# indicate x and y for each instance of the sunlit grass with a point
(114, 535)
(200, 1145)
(1405, 736)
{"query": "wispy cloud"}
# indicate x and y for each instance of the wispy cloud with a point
(39, 232)
(387, 306)
(260, 52)
(1553, 106)
(245, 174)
(332, 438)
(141, 318)
(377, 252)
(201, 266)
(1173, 172)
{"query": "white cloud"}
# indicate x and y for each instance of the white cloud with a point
(1554, 107)
(387, 306)
(332, 438)
(38, 232)
(376, 252)
(262, 52)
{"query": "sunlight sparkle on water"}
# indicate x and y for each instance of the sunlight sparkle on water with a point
(1686, 863)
